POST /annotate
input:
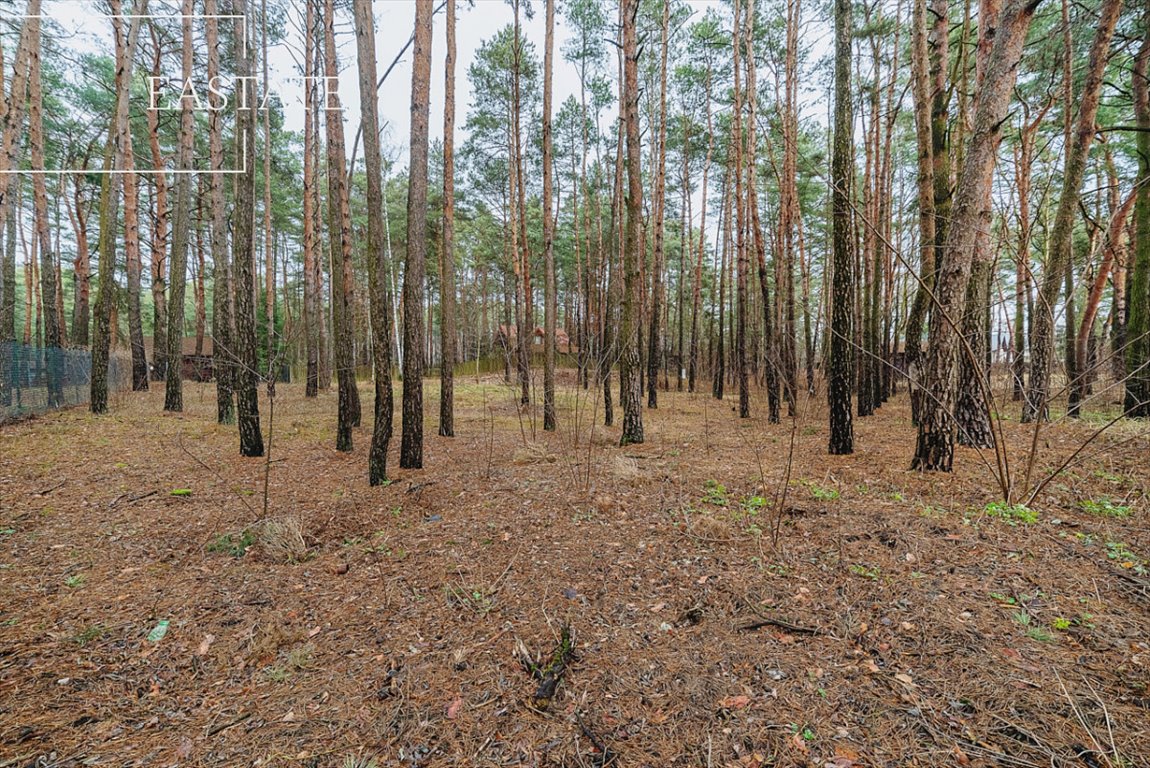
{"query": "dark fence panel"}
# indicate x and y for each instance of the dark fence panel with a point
(37, 379)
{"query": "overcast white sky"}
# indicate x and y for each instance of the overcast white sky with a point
(81, 27)
(85, 29)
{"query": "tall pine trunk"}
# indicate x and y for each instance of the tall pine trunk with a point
(181, 233)
(52, 331)
(935, 444)
(160, 233)
(134, 266)
(697, 288)
(223, 354)
(1137, 399)
(78, 211)
(771, 367)
(270, 345)
(104, 328)
(447, 309)
(378, 265)
(411, 448)
(972, 412)
(737, 158)
(339, 231)
(659, 206)
(549, 289)
(631, 393)
(310, 303)
(1062, 235)
(246, 374)
(1112, 251)
(785, 355)
(920, 82)
(12, 106)
(839, 359)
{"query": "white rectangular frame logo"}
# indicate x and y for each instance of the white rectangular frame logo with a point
(137, 171)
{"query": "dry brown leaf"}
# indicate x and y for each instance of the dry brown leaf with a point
(205, 644)
(736, 702)
(843, 759)
(454, 707)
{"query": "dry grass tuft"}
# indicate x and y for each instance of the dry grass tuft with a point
(282, 540)
(533, 453)
(708, 527)
(624, 467)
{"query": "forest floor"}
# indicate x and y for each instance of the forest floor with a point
(876, 617)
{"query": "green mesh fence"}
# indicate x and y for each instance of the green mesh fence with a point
(38, 379)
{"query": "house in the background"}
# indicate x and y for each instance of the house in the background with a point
(508, 335)
(193, 366)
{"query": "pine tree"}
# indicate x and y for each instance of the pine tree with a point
(109, 201)
(378, 265)
(840, 360)
(447, 339)
(935, 446)
(339, 230)
(1137, 398)
(1042, 336)
(181, 231)
(223, 337)
(246, 373)
(629, 339)
(411, 446)
(549, 299)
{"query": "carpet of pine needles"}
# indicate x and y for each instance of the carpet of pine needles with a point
(871, 616)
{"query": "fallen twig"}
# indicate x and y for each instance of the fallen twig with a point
(770, 621)
(417, 488)
(550, 674)
(606, 756)
(224, 726)
(131, 499)
(779, 623)
(46, 491)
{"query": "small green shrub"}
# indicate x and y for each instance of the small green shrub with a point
(753, 504)
(276, 674)
(819, 493)
(715, 493)
(301, 658)
(473, 598)
(230, 544)
(1125, 557)
(1104, 507)
(90, 634)
(1011, 513)
(352, 761)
